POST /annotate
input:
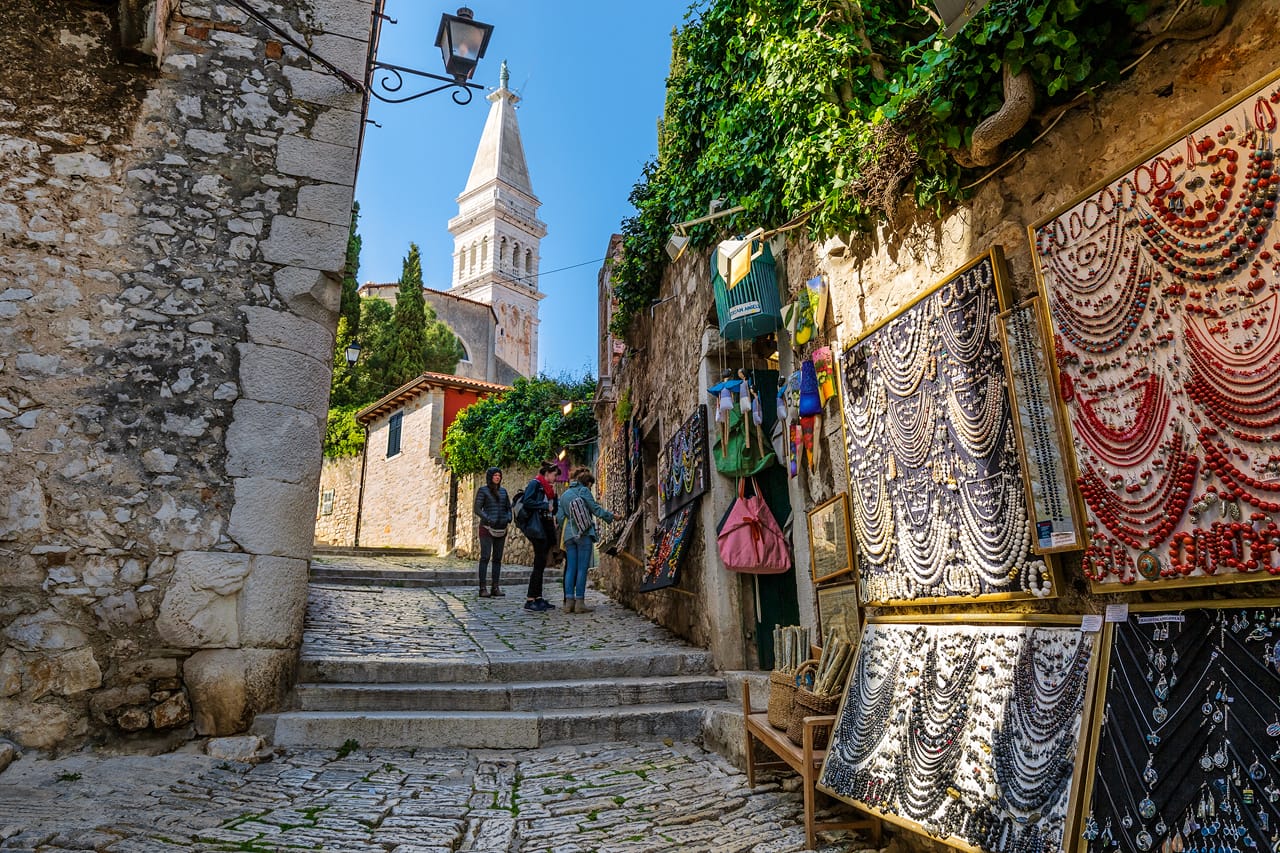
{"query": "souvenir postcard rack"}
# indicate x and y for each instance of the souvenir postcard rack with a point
(1162, 286)
(968, 729)
(939, 510)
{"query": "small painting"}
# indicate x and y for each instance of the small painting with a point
(830, 547)
(671, 540)
(838, 612)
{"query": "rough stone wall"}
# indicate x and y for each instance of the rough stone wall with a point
(406, 496)
(168, 246)
(871, 276)
(342, 477)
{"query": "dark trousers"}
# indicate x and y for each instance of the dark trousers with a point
(540, 549)
(490, 546)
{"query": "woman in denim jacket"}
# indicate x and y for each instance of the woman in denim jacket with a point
(579, 542)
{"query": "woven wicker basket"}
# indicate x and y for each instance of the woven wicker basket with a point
(809, 704)
(799, 679)
(782, 691)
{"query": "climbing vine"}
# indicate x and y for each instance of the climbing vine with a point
(837, 108)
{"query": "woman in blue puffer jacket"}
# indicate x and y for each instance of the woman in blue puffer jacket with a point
(493, 506)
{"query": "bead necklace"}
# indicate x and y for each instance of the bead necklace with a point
(979, 435)
(910, 428)
(1108, 326)
(873, 522)
(902, 353)
(1123, 448)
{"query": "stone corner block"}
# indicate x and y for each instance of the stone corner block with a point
(305, 243)
(278, 442)
(229, 686)
(289, 331)
(199, 608)
(275, 518)
(320, 161)
(274, 603)
(311, 293)
(275, 375)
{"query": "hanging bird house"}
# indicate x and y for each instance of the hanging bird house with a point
(752, 308)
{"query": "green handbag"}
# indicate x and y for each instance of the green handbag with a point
(736, 459)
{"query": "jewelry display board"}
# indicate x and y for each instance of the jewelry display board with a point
(1051, 494)
(969, 732)
(684, 468)
(1186, 747)
(671, 540)
(1163, 292)
(611, 479)
(935, 486)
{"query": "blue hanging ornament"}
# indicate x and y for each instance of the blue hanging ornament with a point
(810, 398)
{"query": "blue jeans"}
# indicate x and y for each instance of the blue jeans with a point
(577, 555)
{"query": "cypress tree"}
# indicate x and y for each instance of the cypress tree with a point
(344, 389)
(407, 356)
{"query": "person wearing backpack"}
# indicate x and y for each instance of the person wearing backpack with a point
(577, 514)
(538, 507)
(493, 506)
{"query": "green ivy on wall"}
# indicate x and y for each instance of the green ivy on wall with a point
(839, 107)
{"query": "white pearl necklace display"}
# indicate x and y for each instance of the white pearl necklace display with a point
(969, 731)
(938, 505)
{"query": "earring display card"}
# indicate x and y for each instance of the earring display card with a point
(967, 732)
(1051, 496)
(1186, 749)
(935, 483)
(683, 467)
(1164, 297)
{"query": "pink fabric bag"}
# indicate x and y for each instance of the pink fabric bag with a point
(750, 540)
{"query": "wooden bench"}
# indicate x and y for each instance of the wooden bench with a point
(803, 759)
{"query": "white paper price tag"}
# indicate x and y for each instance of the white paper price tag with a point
(1091, 624)
(1117, 612)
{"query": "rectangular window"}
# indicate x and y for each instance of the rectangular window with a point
(326, 502)
(393, 434)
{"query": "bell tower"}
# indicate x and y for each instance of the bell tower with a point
(497, 233)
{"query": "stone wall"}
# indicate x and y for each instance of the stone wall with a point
(406, 495)
(336, 517)
(169, 241)
(871, 276)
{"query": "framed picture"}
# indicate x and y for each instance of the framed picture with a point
(671, 540)
(830, 544)
(838, 612)
(937, 502)
(1048, 471)
(1163, 295)
(683, 465)
(969, 729)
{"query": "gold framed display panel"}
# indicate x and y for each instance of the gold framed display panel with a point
(1170, 351)
(1041, 445)
(1098, 715)
(838, 508)
(1048, 569)
(1088, 712)
(839, 610)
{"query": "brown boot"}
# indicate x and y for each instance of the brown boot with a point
(497, 592)
(571, 605)
(583, 608)
(484, 593)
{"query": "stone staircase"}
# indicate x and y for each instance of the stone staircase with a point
(500, 678)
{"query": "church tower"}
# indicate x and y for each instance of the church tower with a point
(496, 234)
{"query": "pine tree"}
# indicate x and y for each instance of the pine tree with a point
(407, 356)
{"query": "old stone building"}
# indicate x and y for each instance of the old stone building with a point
(175, 193)
(398, 493)
(870, 277)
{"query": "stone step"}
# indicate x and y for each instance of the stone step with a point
(559, 668)
(344, 551)
(483, 729)
(515, 578)
(515, 696)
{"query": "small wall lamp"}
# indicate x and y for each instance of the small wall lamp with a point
(462, 41)
(353, 352)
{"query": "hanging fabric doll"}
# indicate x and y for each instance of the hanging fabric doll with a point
(781, 427)
(757, 418)
(745, 394)
(810, 411)
(824, 366)
(724, 406)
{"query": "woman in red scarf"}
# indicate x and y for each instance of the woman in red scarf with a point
(540, 502)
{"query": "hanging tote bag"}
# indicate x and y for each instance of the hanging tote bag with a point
(750, 540)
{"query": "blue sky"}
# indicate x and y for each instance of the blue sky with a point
(592, 78)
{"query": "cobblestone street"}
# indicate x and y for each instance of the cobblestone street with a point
(588, 797)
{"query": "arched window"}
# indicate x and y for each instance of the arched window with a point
(515, 260)
(528, 262)
(473, 258)
(502, 253)
(462, 261)
(484, 252)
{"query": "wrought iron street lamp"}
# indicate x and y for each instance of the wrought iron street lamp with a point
(353, 352)
(462, 41)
